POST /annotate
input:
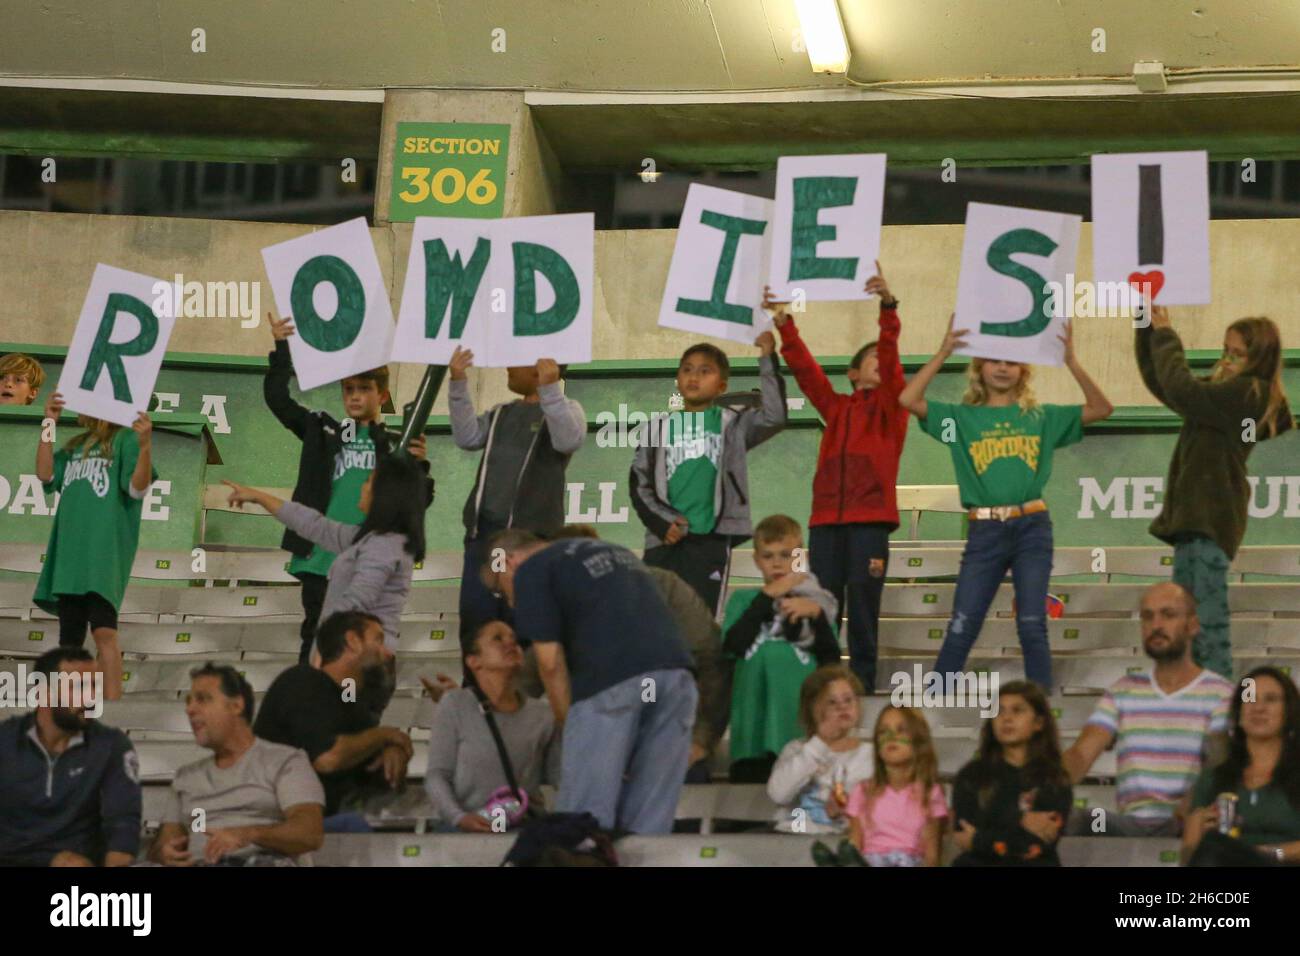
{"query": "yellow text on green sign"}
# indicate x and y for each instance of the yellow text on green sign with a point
(449, 169)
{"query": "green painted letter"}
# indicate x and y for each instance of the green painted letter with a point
(107, 354)
(811, 195)
(446, 277)
(718, 307)
(999, 259)
(531, 259)
(336, 334)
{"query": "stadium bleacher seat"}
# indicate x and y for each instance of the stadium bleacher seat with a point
(742, 849)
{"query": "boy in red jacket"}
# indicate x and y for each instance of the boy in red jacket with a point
(853, 507)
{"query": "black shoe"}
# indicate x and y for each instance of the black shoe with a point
(848, 855)
(822, 855)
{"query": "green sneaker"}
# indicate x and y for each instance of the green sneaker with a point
(822, 855)
(848, 855)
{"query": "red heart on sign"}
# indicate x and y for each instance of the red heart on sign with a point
(1155, 278)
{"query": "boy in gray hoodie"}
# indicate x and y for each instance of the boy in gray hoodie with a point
(526, 446)
(689, 479)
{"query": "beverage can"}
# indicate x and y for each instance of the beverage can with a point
(1226, 804)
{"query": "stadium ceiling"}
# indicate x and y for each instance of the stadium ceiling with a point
(691, 83)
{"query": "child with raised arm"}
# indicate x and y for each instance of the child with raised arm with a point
(102, 476)
(1207, 493)
(690, 479)
(1002, 442)
(337, 459)
(373, 562)
(854, 510)
(527, 444)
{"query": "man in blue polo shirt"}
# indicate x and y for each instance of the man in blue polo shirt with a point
(615, 669)
(69, 786)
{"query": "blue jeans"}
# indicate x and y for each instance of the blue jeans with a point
(1023, 546)
(850, 561)
(623, 758)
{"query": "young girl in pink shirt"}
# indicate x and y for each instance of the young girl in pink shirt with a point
(897, 817)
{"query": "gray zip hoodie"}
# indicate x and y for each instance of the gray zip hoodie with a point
(539, 483)
(741, 431)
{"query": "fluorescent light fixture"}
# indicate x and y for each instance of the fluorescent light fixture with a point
(823, 35)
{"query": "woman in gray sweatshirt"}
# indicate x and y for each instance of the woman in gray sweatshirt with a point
(372, 572)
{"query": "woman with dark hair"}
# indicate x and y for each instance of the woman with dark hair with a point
(1262, 773)
(372, 572)
(1012, 799)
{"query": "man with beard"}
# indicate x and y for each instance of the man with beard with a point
(318, 711)
(1166, 723)
(251, 802)
(69, 786)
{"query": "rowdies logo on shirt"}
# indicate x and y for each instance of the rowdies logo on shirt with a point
(994, 446)
(93, 470)
(692, 443)
(349, 458)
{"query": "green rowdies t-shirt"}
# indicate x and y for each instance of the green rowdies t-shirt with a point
(691, 462)
(1002, 456)
(352, 466)
(97, 525)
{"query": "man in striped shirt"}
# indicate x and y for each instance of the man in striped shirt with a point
(1166, 723)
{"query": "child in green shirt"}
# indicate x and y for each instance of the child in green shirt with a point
(1002, 443)
(337, 459)
(778, 635)
(102, 476)
(690, 478)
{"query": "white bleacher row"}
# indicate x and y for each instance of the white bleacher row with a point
(908, 560)
(437, 636)
(730, 849)
(144, 603)
(707, 803)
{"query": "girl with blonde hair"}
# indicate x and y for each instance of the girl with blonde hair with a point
(1002, 442)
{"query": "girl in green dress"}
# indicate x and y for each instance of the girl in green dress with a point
(102, 476)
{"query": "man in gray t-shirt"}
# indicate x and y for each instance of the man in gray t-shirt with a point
(251, 798)
(464, 769)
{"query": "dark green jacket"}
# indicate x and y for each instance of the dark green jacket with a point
(1207, 492)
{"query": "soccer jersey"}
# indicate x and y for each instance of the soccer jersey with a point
(97, 526)
(691, 464)
(1160, 737)
(1002, 455)
(352, 466)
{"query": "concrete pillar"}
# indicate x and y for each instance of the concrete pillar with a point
(532, 186)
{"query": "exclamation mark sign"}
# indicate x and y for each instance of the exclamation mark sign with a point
(1151, 232)
(1151, 218)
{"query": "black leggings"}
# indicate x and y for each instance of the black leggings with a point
(77, 611)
